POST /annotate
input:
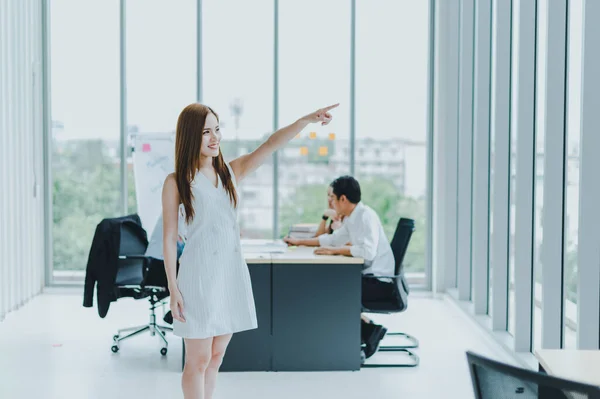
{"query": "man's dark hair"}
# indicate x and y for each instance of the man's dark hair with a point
(348, 186)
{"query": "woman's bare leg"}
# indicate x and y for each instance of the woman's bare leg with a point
(198, 354)
(219, 346)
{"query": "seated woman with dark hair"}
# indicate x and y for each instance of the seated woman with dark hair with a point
(331, 220)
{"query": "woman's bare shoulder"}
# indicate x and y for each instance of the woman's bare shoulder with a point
(170, 176)
(170, 183)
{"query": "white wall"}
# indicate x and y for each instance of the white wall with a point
(21, 155)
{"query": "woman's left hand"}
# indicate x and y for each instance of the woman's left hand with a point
(336, 224)
(291, 241)
(321, 115)
(331, 213)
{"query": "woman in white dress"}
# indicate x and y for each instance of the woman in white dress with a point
(211, 295)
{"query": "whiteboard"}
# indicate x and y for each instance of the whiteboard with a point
(153, 160)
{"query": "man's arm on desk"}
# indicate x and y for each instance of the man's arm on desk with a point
(345, 251)
(337, 239)
(364, 246)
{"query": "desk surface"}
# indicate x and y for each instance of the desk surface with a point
(307, 255)
(576, 365)
(259, 251)
(257, 257)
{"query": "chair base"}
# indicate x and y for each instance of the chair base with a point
(414, 359)
(151, 327)
(413, 342)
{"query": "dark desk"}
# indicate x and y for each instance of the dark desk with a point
(308, 309)
(251, 350)
(316, 316)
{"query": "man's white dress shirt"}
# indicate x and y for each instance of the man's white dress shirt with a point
(363, 230)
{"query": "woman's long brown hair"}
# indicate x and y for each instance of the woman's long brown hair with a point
(188, 141)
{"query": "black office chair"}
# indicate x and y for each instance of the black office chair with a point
(140, 276)
(398, 302)
(492, 379)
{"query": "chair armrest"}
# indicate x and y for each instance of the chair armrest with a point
(374, 276)
(141, 257)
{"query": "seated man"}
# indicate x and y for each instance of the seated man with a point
(362, 228)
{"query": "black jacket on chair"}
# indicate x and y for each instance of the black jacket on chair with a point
(103, 261)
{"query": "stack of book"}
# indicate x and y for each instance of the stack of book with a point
(303, 230)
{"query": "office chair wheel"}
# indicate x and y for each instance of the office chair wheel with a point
(163, 351)
(115, 337)
(114, 348)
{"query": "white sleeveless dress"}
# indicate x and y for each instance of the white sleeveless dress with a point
(213, 276)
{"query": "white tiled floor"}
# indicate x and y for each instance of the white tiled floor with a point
(55, 348)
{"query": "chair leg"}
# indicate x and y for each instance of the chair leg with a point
(413, 342)
(164, 328)
(161, 336)
(182, 353)
(411, 355)
(121, 331)
(151, 327)
(139, 331)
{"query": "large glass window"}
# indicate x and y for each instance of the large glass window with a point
(492, 203)
(237, 82)
(540, 133)
(491, 219)
(161, 80)
(391, 115)
(572, 173)
(85, 149)
(513, 162)
(314, 72)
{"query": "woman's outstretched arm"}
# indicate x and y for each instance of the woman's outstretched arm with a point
(246, 164)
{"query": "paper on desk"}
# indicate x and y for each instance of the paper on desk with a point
(269, 246)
